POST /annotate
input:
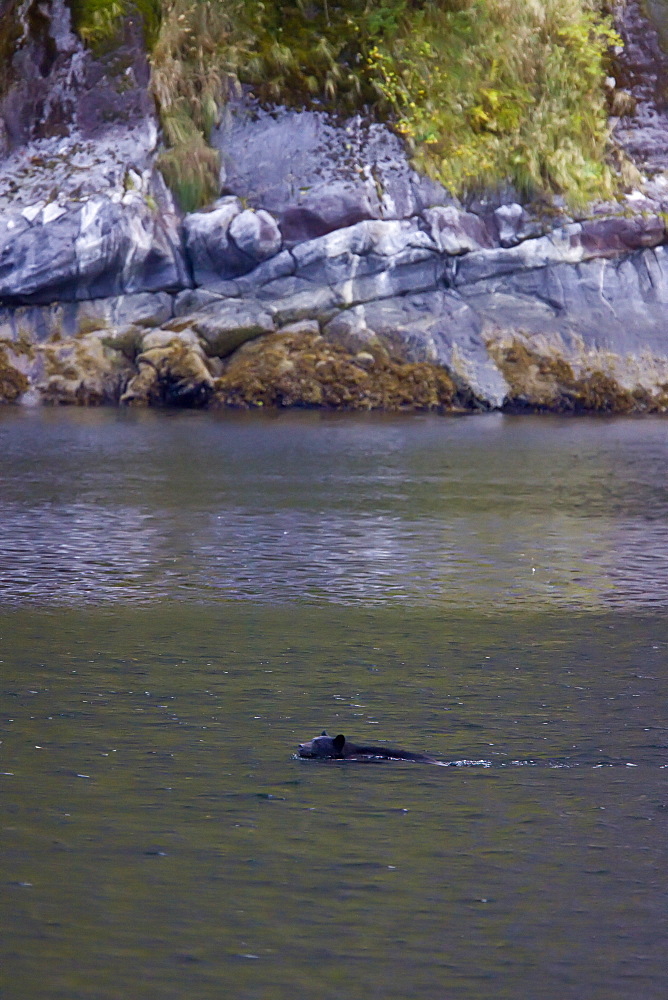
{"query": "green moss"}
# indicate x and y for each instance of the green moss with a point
(192, 173)
(504, 90)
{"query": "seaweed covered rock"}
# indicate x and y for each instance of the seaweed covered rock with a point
(13, 380)
(298, 367)
(546, 374)
(172, 371)
(82, 371)
(434, 327)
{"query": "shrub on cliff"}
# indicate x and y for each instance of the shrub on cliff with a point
(484, 91)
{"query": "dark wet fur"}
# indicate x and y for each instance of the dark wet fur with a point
(338, 748)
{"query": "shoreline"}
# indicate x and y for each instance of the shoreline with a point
(328, 273)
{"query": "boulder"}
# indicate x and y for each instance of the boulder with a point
(255, 234)
(209, 251)
(84, 371)
(514, 224)
(456, 232)
(171, 372)
(224, 325)
(228, 242)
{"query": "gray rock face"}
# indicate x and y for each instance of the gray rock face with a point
(58, 87)
(40, 264)
(342, 236)
(643, 126)
(327, 228)
(223, 326)
(572, 319)
(370, 260)
(602, 239)
(83, 213)
(315, 176)
(616, 306)
(437, 327)
(99, 250)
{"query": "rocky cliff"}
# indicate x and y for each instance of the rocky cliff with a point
(328, 273)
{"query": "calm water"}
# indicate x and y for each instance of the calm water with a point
(184, 597)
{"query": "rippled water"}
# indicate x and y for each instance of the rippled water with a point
(185, 597)
(458, 513)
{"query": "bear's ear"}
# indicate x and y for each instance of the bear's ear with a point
(324, 732)
(339, 742)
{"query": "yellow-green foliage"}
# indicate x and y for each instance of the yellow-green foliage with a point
(484, 91)
(503, 89)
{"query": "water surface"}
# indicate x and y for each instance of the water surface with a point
(184, 597)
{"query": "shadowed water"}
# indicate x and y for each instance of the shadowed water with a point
(185, 598)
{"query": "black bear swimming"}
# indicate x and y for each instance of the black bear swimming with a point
(338, 748)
